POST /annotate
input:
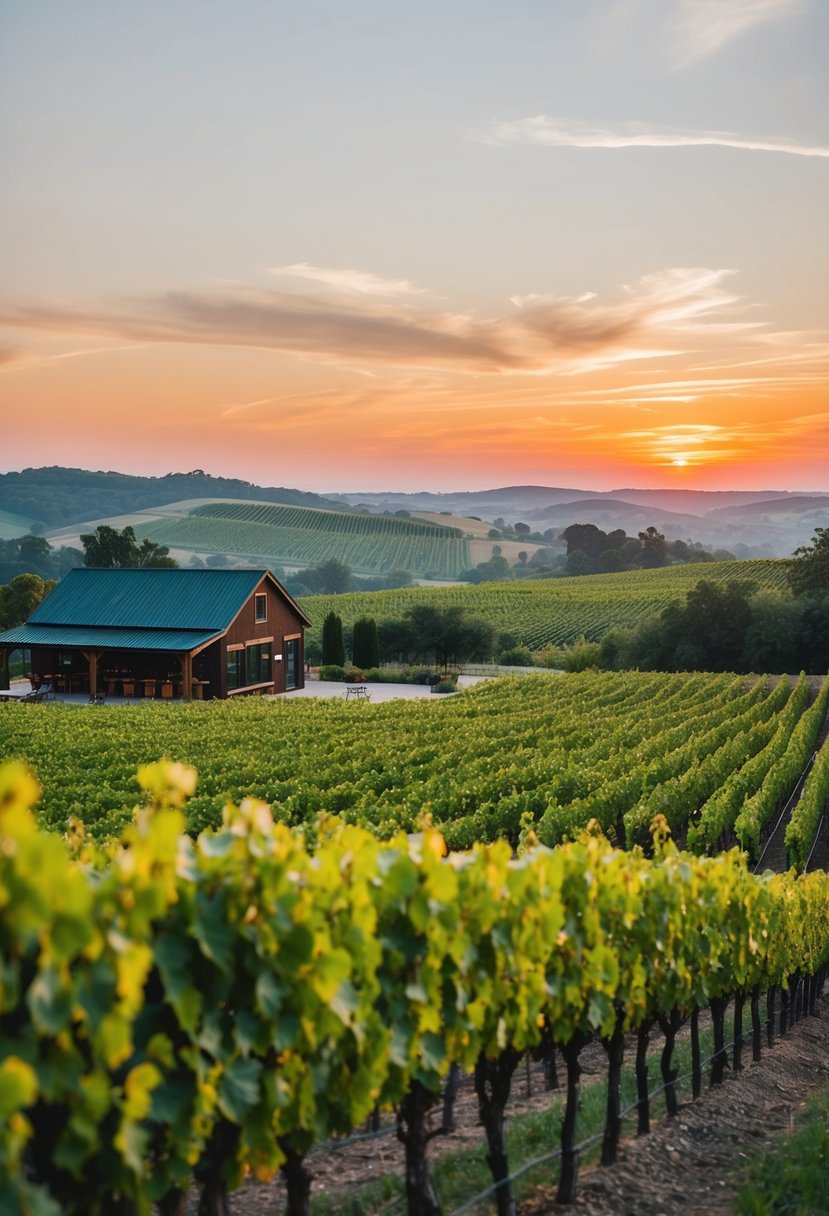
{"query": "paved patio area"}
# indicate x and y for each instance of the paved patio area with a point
(314, 688)
(378, 692)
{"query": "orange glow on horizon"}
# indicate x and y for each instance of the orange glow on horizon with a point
(752, 413)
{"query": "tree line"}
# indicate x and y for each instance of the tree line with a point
(732, 627)
(55, 496)
(425, 634)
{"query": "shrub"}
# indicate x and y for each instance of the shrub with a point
(332, 671)
(582, 656)
(516, 656)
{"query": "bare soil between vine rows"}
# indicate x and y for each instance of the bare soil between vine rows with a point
(692, 1164)
(687, 1166)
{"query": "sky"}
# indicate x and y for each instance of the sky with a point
(441, 246)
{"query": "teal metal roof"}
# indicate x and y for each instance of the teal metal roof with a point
(203, 600)
(82, 637)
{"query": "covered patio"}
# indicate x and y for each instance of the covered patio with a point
(71, 669)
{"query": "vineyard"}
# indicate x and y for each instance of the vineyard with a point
(176, 1011)
(304, 536)
(716, 755)
(554, 611)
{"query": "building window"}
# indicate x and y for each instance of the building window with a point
(260, 603)
(258, 664)
(235, 669)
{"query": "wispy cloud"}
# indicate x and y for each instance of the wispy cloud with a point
(9, 355)
(704, 27)
(362, 281)
(670, 312)
(550, 132)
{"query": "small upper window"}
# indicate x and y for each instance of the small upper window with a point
(261, 608)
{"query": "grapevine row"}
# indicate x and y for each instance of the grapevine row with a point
(540, 751)
(554, 611)
(369, 550)
(324, 521)
(174, 1009)
(782, 777)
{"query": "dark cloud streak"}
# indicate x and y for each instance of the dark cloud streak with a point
(538, 334)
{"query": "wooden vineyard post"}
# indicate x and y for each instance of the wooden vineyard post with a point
(718, 1064)
(756, 1026)
(696, 1055)
(785, 1001)
(737, 1057)
(770, 1016)
(450, 1093)
(548, 1059)
(643, 1102)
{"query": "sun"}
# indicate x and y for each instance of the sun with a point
(679, 463)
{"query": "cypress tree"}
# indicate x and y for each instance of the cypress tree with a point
(333, 648)
(364, 646)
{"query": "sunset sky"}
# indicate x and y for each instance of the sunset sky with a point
(445, 246)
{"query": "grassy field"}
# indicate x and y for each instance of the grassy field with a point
(12, 526)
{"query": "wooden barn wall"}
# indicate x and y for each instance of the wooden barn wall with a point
(282, 622)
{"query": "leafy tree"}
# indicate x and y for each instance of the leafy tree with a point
(333, 646)
(610, 561)
(516, 656)
(773, 639)
(707, 633)
(814, 638)
(108, 549)
(809, 571)
(586, 539)
(494, 571)
(18, 600)
(331, 577)
(446, 635)
(34, 555)
(313, 652)
(20, 597)
(365, 650)
(716, 619)
(654, 550)
(398, 578)
(396, 641)
(578, 563)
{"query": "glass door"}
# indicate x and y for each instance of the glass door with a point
(292, 664)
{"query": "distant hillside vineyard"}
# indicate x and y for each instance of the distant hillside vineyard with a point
(553, 611)
(299, 536)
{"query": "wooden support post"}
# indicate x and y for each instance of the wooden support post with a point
(4, 667)
(186, 661)
(92, 657)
